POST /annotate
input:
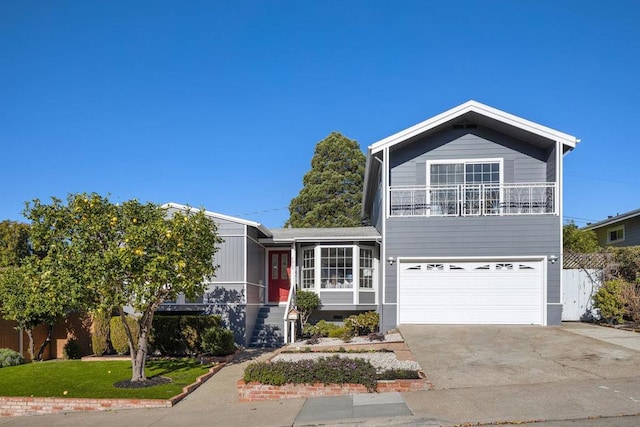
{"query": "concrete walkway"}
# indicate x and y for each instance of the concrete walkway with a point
(557, 398)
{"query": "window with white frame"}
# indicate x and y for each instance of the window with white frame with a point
(468, 187)
(615, 235)
(308, 269)
(366, 268)
(336, 267)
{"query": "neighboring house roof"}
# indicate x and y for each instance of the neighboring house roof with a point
(614, 219)
(290, 235)
(216, 215)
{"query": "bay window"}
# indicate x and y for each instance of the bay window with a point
(329, 267)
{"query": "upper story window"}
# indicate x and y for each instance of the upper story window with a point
(615, 235)
(465, 172)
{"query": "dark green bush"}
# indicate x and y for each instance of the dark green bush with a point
(364, 323)
(307, 302)
(72, 349)
(100, 335)
(398, 374)
(218, 341)
(325, 370)
(180, 335)
(9, 357)
(119, 339)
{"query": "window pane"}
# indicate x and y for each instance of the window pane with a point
(284, 264)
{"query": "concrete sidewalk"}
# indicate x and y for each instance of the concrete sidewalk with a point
(215, 403)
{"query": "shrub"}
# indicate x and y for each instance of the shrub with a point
(364, 323)
(100, 335)
(307, 302)
(630, 294)
(119, 339)
(320, 329)
(325, 370)
(180, 335)
(9, 357)
(72, 349)
(398, 374)
(218, 341)
(609, 300)
(343, 332)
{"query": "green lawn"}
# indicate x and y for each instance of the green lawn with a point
(95, 379)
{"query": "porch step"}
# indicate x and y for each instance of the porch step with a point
(268, 329)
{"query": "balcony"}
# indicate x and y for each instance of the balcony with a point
(473, 200)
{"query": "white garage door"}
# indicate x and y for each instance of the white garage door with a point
(504, 292)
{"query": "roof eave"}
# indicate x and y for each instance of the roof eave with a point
(257, 225)
(479, 108)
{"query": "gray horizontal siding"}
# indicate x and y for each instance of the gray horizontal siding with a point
(631, 233)
(229, 293)
(230, 258)
(366, 297)
(522, 162)
(474, 236)
(336, 297)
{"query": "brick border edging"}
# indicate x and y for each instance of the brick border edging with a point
(255, 391)
(22, 406)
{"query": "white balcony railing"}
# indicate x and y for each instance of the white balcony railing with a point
(473, 200)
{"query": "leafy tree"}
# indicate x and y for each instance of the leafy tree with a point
(332, 192)
(579, 240)
(14, 243)
(129, 255)
(38, 292)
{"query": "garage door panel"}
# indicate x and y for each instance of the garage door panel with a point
(500, 292)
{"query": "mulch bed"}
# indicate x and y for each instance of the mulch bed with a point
(149, 382)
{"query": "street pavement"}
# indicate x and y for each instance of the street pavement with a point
(575, 374)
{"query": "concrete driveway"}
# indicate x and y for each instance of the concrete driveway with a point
(462, 356)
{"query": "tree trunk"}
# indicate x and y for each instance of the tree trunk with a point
(139, 350)
(31, 348)
(45, 343)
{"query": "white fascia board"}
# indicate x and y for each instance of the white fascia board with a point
(257, 225)
(482, 109)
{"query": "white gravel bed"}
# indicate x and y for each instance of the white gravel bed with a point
(324, 342)
(381, 360)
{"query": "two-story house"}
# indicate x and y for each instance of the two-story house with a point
(466, 214)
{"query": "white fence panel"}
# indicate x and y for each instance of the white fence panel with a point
(578, 288)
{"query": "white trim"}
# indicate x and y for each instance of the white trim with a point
(616, 228)
(540, 258)
(219, 216)
(479, 108)
(464, 162)
(267, 261)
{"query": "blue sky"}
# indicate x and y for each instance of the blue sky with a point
(220, 104)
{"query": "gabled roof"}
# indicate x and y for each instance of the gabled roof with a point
(216, 215)
(480, 110)
(290, 235)
(613, 220)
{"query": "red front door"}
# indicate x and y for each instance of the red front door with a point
(279, 267)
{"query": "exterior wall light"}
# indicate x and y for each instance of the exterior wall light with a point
(391, 260)
(553, 259)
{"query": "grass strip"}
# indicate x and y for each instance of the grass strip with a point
(77, 379)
